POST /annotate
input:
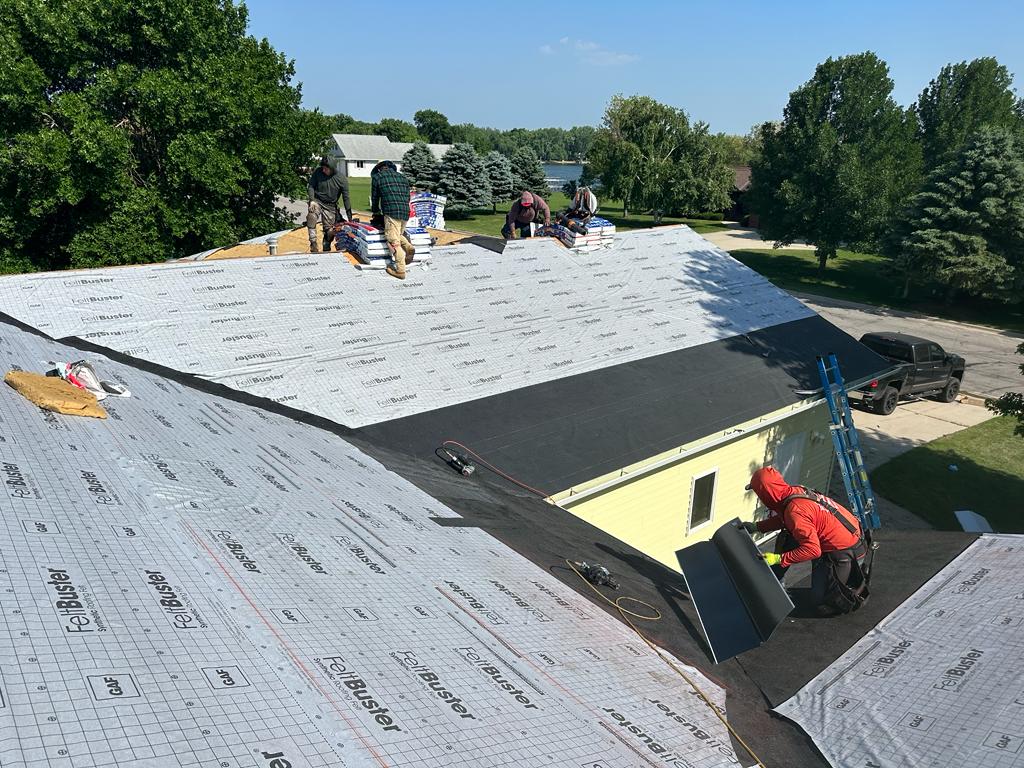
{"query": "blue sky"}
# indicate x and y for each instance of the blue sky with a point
(730, 64)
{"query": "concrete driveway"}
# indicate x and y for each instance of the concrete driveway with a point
(736, 238)
(992, 362)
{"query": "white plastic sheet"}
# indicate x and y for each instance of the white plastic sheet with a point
(196, 582)
(361, 347)
(939, 682)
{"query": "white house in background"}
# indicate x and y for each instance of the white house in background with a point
(361, 153)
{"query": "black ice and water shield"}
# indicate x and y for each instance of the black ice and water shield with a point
(738, 599)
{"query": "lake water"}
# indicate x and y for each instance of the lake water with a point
(557, 175)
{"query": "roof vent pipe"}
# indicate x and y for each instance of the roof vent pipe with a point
(272, 243)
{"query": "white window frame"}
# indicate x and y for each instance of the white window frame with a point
(690, 528)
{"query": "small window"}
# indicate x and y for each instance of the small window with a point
(702, 499)
(359, 163)
(938, 356)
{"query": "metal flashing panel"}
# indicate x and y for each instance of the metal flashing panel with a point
(940, 681)
(738, 599)
(197, 582)
(361, 348)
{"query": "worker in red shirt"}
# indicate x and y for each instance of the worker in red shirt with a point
(821, 530)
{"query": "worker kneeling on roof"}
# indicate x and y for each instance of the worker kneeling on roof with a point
(524, 212)
(820, 530)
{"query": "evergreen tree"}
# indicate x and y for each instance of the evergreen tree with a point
(528, 174)
(462, 178)
(840, 164)
(420, 166)
(499, 174)
(965, 229)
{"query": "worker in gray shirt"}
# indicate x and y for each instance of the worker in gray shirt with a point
(325, 186)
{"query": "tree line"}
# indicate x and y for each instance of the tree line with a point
(937, 187)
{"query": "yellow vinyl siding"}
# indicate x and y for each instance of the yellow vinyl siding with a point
(650, 512)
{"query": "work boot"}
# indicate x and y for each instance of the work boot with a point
(394, 272)
(313, 247)
(327, 246)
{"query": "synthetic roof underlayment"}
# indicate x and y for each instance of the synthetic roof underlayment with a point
(361, 348)
(940, 681)
(198, 582)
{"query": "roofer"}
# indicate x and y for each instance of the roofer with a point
(820, 530)
(582, 210)
(389, 196)
(523, 213)
(325, 186)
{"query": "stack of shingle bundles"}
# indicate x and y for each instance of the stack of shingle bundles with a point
(419, 237)
(582, 243)
(604, 228)
(427, 210)
(366, 243)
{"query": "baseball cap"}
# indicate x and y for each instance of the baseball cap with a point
(526, 199)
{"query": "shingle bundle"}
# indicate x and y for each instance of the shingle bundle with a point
(368, 245)
(427, 210)
(600, 234)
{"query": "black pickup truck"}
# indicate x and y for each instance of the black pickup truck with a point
(924, 368)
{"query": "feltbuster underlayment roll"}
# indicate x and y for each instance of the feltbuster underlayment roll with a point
(318, 335)
(939, 682)
(200, 583)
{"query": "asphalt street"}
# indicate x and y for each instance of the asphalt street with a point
(993, 367)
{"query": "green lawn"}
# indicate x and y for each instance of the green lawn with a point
(487, 223)
(989, 479)
(861, 277)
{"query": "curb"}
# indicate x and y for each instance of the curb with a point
(970, 398)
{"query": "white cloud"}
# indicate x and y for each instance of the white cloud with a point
(594, 54)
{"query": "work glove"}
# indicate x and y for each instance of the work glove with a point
(771, 558)
(314, 207)
(749, 527)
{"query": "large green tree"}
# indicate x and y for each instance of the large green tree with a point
(135, 130)
(528, 173)
(462, 178)
(965, 230)
(650, 156)
(962, 99)
(420, 166)
(840, 164)
(397, 130)
(434, 126)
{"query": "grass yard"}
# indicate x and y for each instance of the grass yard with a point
(860, 277)
(989, 479)
(487, 223)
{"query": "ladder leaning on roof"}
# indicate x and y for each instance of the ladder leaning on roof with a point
(847, 443)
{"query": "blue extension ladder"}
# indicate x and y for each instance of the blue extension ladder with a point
(847, 443)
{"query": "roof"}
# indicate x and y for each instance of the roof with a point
(376, 148)
(741, 175)
(357, 494)
(558, 434)
(474, 324)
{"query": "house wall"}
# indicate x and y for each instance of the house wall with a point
(652, 512)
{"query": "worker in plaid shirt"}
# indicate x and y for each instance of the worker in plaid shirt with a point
(389, 196)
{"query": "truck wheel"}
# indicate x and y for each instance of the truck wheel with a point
(948, 395)
(886, 404)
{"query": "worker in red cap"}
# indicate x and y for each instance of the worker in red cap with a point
(524, 212)
(820, 530)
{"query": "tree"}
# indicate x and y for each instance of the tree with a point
(528, 173)
(965, 229)
(434, 126)
(462, 178)
(135, 130)
(738, 150)
(962, 99)
(397, 130)
(649, 156)
(1011, 403)
(499, 175)
(342, 123)
(420, 166)
(840, 164)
